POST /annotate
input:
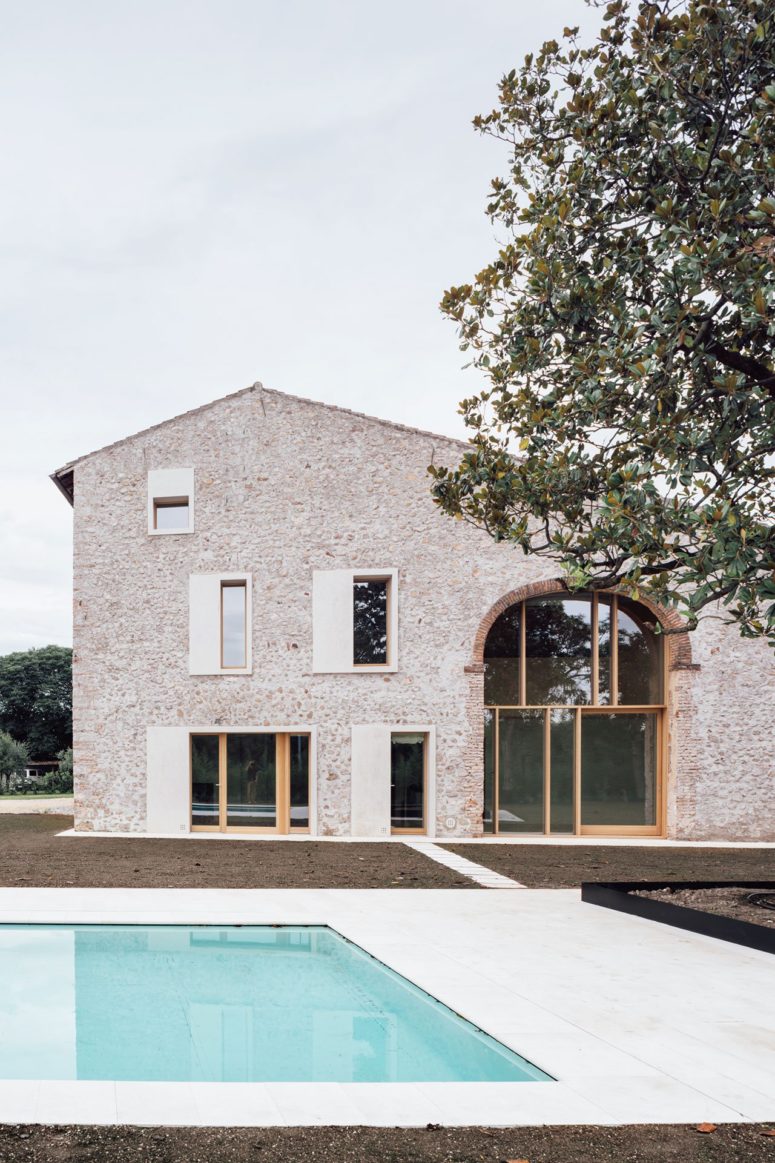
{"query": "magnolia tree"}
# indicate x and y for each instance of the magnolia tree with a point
(625, 327)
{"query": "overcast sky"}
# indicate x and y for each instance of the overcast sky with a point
(198, 195)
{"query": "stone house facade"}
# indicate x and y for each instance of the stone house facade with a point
(276, 629)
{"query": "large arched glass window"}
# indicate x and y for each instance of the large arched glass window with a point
(573, 692)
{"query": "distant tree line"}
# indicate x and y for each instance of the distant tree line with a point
(36, 717)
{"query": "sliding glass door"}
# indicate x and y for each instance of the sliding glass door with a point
(573, 691)
(250, 782)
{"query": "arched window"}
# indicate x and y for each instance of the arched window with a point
(573, 692)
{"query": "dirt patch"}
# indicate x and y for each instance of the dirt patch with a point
(646, 1144)
(566, 866)
(32, 855)
(723, 902)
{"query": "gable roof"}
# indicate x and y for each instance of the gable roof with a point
(63, 477)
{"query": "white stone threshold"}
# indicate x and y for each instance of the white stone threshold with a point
(638, 1022)
(257, 837)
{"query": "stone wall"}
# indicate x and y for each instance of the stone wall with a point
(285, 486)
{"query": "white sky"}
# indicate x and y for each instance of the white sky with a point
(195, 196)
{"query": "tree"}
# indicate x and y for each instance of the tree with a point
(627, 428)
(36, 699)
(13, 760)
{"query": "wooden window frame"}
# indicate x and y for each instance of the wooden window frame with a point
(282, 825)
(171, 503)
(423, 831)
(389, 652)
(580, 711)
(236, 583)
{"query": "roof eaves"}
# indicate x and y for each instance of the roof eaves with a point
(63, 478)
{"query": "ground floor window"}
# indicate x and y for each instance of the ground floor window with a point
(574, 770)
(250, 782)
(407, 781)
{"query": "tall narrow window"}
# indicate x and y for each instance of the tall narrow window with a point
(370, 621)
(234, 601)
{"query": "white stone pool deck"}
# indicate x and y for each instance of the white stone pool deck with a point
(639, 1023)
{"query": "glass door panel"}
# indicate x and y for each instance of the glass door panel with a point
(619, 770)
(407, 782)
(299, 781)
(251, 780)
(520, 771)
(205, 783)
(488, 816)
(561, 752)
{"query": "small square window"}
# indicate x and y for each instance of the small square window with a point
(171, 514)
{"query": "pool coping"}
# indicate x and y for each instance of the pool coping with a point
(460, 948)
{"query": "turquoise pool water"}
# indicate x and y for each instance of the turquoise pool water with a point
(226, 1004)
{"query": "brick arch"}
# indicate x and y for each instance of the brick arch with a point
(677, 638)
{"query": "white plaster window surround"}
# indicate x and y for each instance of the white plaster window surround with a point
(370, 778)
(205, 625)
(332, 621)
(165, 486)
(168, 788)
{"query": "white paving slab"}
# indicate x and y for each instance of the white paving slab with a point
(476, 872)
(638, 1022)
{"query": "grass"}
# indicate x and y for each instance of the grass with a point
(36, 795)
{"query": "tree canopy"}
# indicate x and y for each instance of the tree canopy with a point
(36, 699)
(625, 326)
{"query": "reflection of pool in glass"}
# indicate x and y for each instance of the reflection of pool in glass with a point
(226, 1004)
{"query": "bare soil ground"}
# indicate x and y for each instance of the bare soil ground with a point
(566, 866)
(724, 902)
(31, 854)
(643, 1144)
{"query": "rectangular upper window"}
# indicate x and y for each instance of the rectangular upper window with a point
(354, 620)
(171, 515)
(234, 611)
(370, 621)
(170, 500)
(220, 623)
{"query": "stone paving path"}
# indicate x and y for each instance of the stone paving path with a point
(476, 872)
(36, 805)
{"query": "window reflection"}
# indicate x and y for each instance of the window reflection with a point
(561, 736)
(370, 622)
(488, 816)
(618, 770)
(501, 660)
(407, 782)
(204, 781)
(558, 651)
(251, 780)
(640, 656)
(521, 768)
(299, 745)
(604, 649)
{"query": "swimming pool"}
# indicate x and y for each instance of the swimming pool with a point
(226, 1004)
